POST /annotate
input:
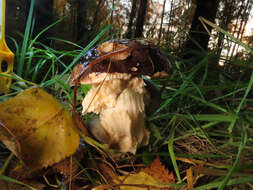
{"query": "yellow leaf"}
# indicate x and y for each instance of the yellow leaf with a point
(139, 181)
(39, 123)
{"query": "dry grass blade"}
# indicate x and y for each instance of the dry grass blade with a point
(189, 175)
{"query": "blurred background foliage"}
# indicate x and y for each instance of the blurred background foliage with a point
(172, 24)
(165, 21)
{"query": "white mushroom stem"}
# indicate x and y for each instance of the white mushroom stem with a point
(120, 103)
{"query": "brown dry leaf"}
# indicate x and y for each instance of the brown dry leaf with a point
(156, 176)
(158, 171)
(67, 167)
(42, 127)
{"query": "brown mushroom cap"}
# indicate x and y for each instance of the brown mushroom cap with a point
(120, 59)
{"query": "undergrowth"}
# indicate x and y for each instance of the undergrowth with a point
(202, 122)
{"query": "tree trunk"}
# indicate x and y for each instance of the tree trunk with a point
(231, 46)
(244, 25)
(131, 19)
(170, 19)
(161, 24)
(198, 41)
(141, 18)
(43, 14)
(111, 29)
(15, 21)
(67, 28)
(243, 22)
(198, 36)
(225, 19)
(81, 21)
(171, 15)
(94, 22)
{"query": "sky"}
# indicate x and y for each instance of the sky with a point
(249, 26)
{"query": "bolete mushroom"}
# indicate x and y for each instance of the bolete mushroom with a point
(118, 92)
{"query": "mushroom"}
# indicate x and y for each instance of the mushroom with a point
(118, 93)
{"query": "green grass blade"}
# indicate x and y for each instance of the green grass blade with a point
(16, 46)
(185, 83)
(246, 94)
(230, 129)
(240, 150)
(6, 178)
(198, 90)
(67, 42)
(50, 82)
(25, 40)
(210, 104)
(199, 117)
(196, 130)
(236, 40)
(216, 156)
(44, 30)
(204, 76)
(29, 63)
(172, 154)
(63, 84)
(37, 68)
(15, 77)
(241, 180)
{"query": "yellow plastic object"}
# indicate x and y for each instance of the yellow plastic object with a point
(6, 56)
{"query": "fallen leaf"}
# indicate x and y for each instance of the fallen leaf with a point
(156, 176)
(67, 167)
(44, 129)
(158, 171)
(141, 181)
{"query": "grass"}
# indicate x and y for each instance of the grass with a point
(192, 127)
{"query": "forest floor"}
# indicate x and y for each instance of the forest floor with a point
(200, 136)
